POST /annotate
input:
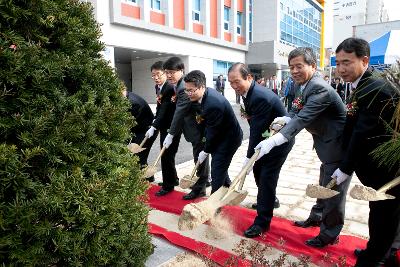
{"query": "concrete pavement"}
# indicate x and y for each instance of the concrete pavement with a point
(301, 168)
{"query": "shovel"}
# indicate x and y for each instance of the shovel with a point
(189, 180)
(195, 214)
(369, 194)
(135, 148)
(151, 170)
(317, 191)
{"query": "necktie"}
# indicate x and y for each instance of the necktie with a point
(157, 90)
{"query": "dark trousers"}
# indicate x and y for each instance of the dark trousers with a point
(266, 173)
(384, 217)
(138, 138)
(220, 160)
(169, 175)
(330, 211)
(204, 169)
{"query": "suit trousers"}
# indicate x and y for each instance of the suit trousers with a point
(220, 160)
(169, 175)
(266, 173)
(204, 169)
(138, 138)
(330, 211)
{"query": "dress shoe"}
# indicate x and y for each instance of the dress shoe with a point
(317, 242)
(358, 251)
(193, 195)
(163, 192)
(307, 223)
(254, 231)
(150, 179)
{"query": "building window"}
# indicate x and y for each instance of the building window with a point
(239, 23)
(155, 4)
(221, 67)
(130, 1)
(251, 20)
(226, 18)
(196, 10)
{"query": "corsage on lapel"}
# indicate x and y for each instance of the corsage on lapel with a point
(298, 104)
(243, 113)
(159, 98)
(173, 98)
(199, 119)
(351, 108)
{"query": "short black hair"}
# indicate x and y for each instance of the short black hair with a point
(174, 63)
(306, 52)
(157, 66)
(357, 45)
(197, 77)
(243, 69)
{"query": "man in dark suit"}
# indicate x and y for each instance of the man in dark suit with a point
(261, 108)
(339, 87)
(165, 94)
(185, 120)
(373, 104)
(220, 84)
(319, 109)
(223, 134)
(144, 117)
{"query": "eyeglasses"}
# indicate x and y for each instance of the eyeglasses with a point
(191, 92)
(171, 72)
(157, 75)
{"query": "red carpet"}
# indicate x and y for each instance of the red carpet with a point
(242, 218)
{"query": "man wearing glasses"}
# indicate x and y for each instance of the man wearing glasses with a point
(164, 113)
(223, 134)
(185, 120)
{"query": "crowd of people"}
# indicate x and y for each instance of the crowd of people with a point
(343, 137)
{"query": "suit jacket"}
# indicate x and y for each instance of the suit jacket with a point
(366, 128)
(323, 115)
(185, 116)
(222, 127)
(262, 107)
(220, 84)
(165, 107)
(141, 111)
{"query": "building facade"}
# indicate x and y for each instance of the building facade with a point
(207, 35)
(348, 13)
(372, 31)
(278, 27)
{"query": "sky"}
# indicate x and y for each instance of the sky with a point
(392, 6)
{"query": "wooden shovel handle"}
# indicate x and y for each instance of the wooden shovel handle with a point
(143, 141)
(389, 185)
(331, 184)
(247, 167)
(159, 156)
(194, 169)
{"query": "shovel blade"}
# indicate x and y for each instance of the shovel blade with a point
(368, 194)
(235, 198)
(317, 191)
(149, 171)
(186, 182)
(135, 148)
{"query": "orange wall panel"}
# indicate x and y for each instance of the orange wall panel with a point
(227, 36)
(179, 14)
(241, 40)
(198, 28)
(213, 19)
(240, 5)
(130, 11)
(157, 17)
(227, 3)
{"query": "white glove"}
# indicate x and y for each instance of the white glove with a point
(276, 125)
(168, 140)
(202, 156)
(340, 176)
(266, 145)
(246, 160)
(150, 132)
